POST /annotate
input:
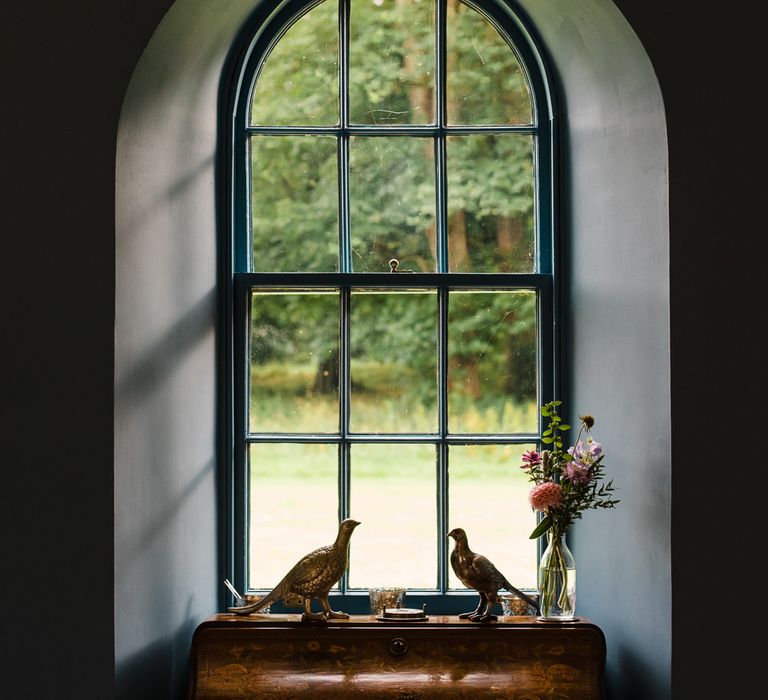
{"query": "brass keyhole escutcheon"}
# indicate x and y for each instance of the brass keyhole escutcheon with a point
(398, 646)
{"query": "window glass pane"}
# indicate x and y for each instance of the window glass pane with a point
(497, 527)
(392, 203)
(492, 362)
(485, 83)
(294, 204)
(491, 224)
(299, 83)
(392, 62)
(294, 362)
(394, 362)
(393, 496)
(293, 507)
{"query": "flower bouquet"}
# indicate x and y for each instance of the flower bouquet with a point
(566, 483)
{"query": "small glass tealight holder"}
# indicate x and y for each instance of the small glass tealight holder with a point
(385, 597)
(250, 598)
(511, 604)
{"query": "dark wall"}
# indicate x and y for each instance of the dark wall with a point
(65, 70)
(710, 59)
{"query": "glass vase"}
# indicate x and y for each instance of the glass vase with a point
(557, 580)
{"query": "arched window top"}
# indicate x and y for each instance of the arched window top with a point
(407, 129)
(391, 52)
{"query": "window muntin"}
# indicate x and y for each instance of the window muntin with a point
(437, 189)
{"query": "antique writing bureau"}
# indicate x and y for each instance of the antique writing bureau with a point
(277, 656)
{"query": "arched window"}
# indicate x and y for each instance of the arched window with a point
(393, 322)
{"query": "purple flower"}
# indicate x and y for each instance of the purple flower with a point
(577, 451)
(586, 453)
(578, 473)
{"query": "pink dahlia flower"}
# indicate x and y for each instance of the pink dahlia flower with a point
(545, 496)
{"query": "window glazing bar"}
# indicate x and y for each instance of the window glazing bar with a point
(403, 438)
(405, 280)
(423, 130)
(342, 134)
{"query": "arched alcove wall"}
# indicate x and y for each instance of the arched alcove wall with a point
(615, 250)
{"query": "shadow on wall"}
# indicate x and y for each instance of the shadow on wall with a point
(153, 531)
(632, 674)
(154, 672)
(161, 360)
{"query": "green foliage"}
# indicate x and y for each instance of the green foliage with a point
(298, 83)
(294, 196)
(295, 206)
(492, 339)
(492, 347)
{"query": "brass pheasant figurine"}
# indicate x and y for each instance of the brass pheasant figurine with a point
(478, 572)
(312, 576)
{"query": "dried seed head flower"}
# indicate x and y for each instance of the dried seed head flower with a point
(588, 421)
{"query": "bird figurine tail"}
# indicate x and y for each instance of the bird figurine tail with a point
(268, 599)
(522, 595)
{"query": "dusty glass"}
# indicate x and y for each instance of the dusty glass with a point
(392, 62)
(393, 347)
(492, 363)
(294, 216)
(298, 85)
(294, 362)
(491, 205)
(396, 176)
(485, 81)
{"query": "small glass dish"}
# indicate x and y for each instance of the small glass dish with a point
(513, 605)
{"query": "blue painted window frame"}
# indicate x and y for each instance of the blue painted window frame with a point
(258, 35)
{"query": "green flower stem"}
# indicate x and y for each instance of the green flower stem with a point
(555, 572)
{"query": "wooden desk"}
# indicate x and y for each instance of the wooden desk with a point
(277, 656)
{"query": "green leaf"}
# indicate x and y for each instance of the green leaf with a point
(547, 439)
(556, 403)
(544, 411)
(548, 431)
(544, 524)
(565, 426)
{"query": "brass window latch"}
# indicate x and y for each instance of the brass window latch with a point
(394, 265)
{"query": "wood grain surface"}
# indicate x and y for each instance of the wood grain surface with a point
(277, 656)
